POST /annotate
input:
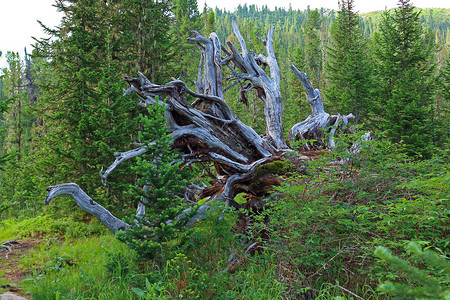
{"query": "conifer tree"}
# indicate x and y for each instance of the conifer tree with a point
(18, 188)
(348, 71)
(443, 106)
(445, 80)
(209, 20)
(422, 283)
(85, 116)
(313, 49)
(15, 118)
(147, 26)
(404, 70)
(297, 107)
(159, 184)
(187, 18)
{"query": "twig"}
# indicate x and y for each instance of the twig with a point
(325, 264)
(350, 292)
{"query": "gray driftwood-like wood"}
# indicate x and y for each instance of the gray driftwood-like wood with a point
(249, 69)
(121, 157)
(318, 120)
(206, 130)
(87, 204)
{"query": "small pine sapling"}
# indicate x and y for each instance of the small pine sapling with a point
(421, 284)
(160, 182)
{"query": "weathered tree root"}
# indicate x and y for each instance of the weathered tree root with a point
(87, 204)
(207, 130)
(318, 120)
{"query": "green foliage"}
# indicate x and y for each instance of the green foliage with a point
(320, 233)
(101, 267)
(83, 269)
(17, 142)
(119, 266)
(202, 271)
(313, 48)
(183, 280)
(348, 66)
(442, 135)
(186, 19)
(405, 68)
(429, 283)
(354, 88)
(208, 20)
(279, 167)
(327, 220)
(48, 225)
(159, 183)
(323, 228)
(86, 118)
(144, 29)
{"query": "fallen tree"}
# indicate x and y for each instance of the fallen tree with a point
(207, 131)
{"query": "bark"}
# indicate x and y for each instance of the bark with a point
(315, 124)
(205, 131)
(248, 69)
(109, 220)
(121, 157)
(87, 204)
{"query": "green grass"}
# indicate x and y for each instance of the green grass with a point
(323, 233)
(7, 229)
(46, 225)
(3, 281)
(76, 270)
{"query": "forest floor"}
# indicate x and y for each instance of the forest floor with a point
(11, 273)
(326, 236)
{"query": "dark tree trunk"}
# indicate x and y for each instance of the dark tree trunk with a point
(32, 89)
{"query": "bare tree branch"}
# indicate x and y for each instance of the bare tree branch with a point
(87, 204)
(120, 158)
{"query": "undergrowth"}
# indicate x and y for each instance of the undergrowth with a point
(47, 225)
(316, 241)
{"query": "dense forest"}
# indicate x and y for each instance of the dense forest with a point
(329, 215)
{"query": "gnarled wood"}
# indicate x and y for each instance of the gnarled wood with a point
(267, 87)
(121, 157)
(207, 131)
(87, 204)
(109, 220)
(318, 120)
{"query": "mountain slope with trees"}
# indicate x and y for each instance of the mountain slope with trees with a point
(297, 217)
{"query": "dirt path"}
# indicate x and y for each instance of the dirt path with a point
(10, 269)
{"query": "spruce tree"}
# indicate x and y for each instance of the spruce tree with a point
(296, 106)
(423, 283)
(86, 119)
(348, 67)
(443, 107)
(159, 183)
(187, 18)
(150, 44)
(405, 78)
(313, 48)
(18, 182)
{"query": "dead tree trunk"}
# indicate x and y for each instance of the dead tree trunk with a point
(313, 127)
(32, 89)
(248, 68)
(87, 204)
